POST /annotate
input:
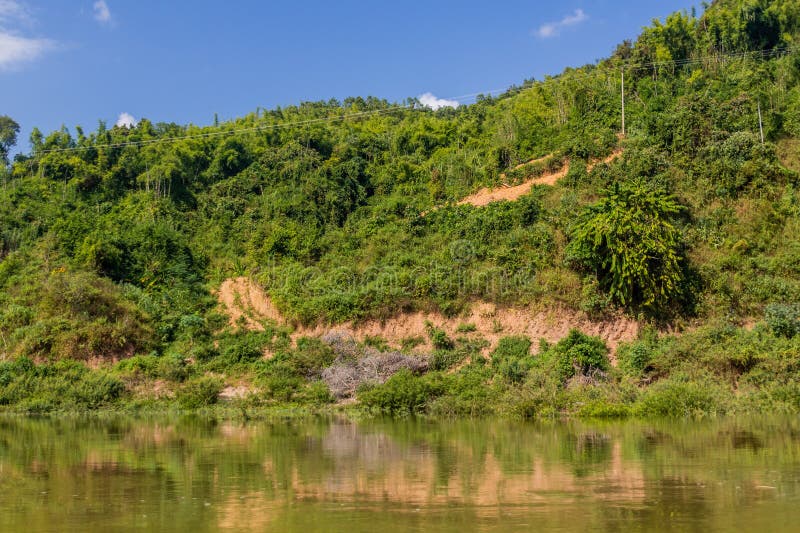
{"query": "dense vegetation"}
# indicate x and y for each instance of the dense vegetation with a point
(112, 242)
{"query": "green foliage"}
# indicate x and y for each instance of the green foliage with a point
(8, 136)
(438, 337)
(281, 387)
(675, 398)
(311, 356)
(629, 241)
(466, 328)
(511, 358)
(64, 385)
(110, 253)
(578, 354)
(741, 160)
(468, 392)
(403, 393)
(783, 319)
(201, 392)
(242, 347)
(446, 359)
(316, 394)
(634, 357)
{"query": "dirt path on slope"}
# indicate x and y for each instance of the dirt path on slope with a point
(606, 160)
(488, 195)
(241, 297)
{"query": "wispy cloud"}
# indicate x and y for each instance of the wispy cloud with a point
(429, 100)
(102, 13)
(12, 10)
(126, 120)
(16, 48)
(553, 29)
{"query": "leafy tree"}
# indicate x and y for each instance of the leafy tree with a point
(579, 354)
(8, 136)
(629, 241)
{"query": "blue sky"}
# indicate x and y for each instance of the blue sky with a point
(79, 61)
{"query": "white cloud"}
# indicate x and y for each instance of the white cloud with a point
(429, 100)
(11, 10)
(126, 120)
(552, 29)
(101, 12)
(14, 47)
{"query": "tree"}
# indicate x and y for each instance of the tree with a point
(8, 136)
(36, 139)
(628, 240)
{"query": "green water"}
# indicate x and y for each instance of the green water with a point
(194, 474)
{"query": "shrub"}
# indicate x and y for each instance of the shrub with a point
(139, 366)
(439, 337)
(783, 319)
(316, 393)
(579, 354)
(201, 392)
(466, 393)
(675, 398)
(604, 409)
(466, 328)
(345, 377)
(282, 387)
(96, 389)
(445, 359)
(540, 395)
(173, 367)
(403, 393)
(243, 347)
(311, 356)
(511, 358)
(633, 358)
(514, 347)
(409, 343)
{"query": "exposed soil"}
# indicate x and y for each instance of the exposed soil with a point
(606, 160)
(241, 297)
(486, 195)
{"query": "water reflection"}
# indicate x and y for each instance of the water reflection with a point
(194, 473)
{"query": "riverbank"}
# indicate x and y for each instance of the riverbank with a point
(711, 371)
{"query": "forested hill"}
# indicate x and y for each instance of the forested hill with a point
(115, 242)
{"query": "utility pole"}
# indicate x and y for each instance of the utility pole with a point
(760, 123)
(623, 101)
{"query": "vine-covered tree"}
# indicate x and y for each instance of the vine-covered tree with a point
(629, 241)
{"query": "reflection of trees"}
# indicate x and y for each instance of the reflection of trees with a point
(169, 468)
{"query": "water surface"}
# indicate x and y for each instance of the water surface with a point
(196, 474)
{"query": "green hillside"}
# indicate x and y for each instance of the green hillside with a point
(114, 244)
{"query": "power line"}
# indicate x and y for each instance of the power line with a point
(756, 54)
(763, 54)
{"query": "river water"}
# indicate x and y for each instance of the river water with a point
(196, 474)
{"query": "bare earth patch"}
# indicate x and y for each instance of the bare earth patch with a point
(486, 196)
(241, 297)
